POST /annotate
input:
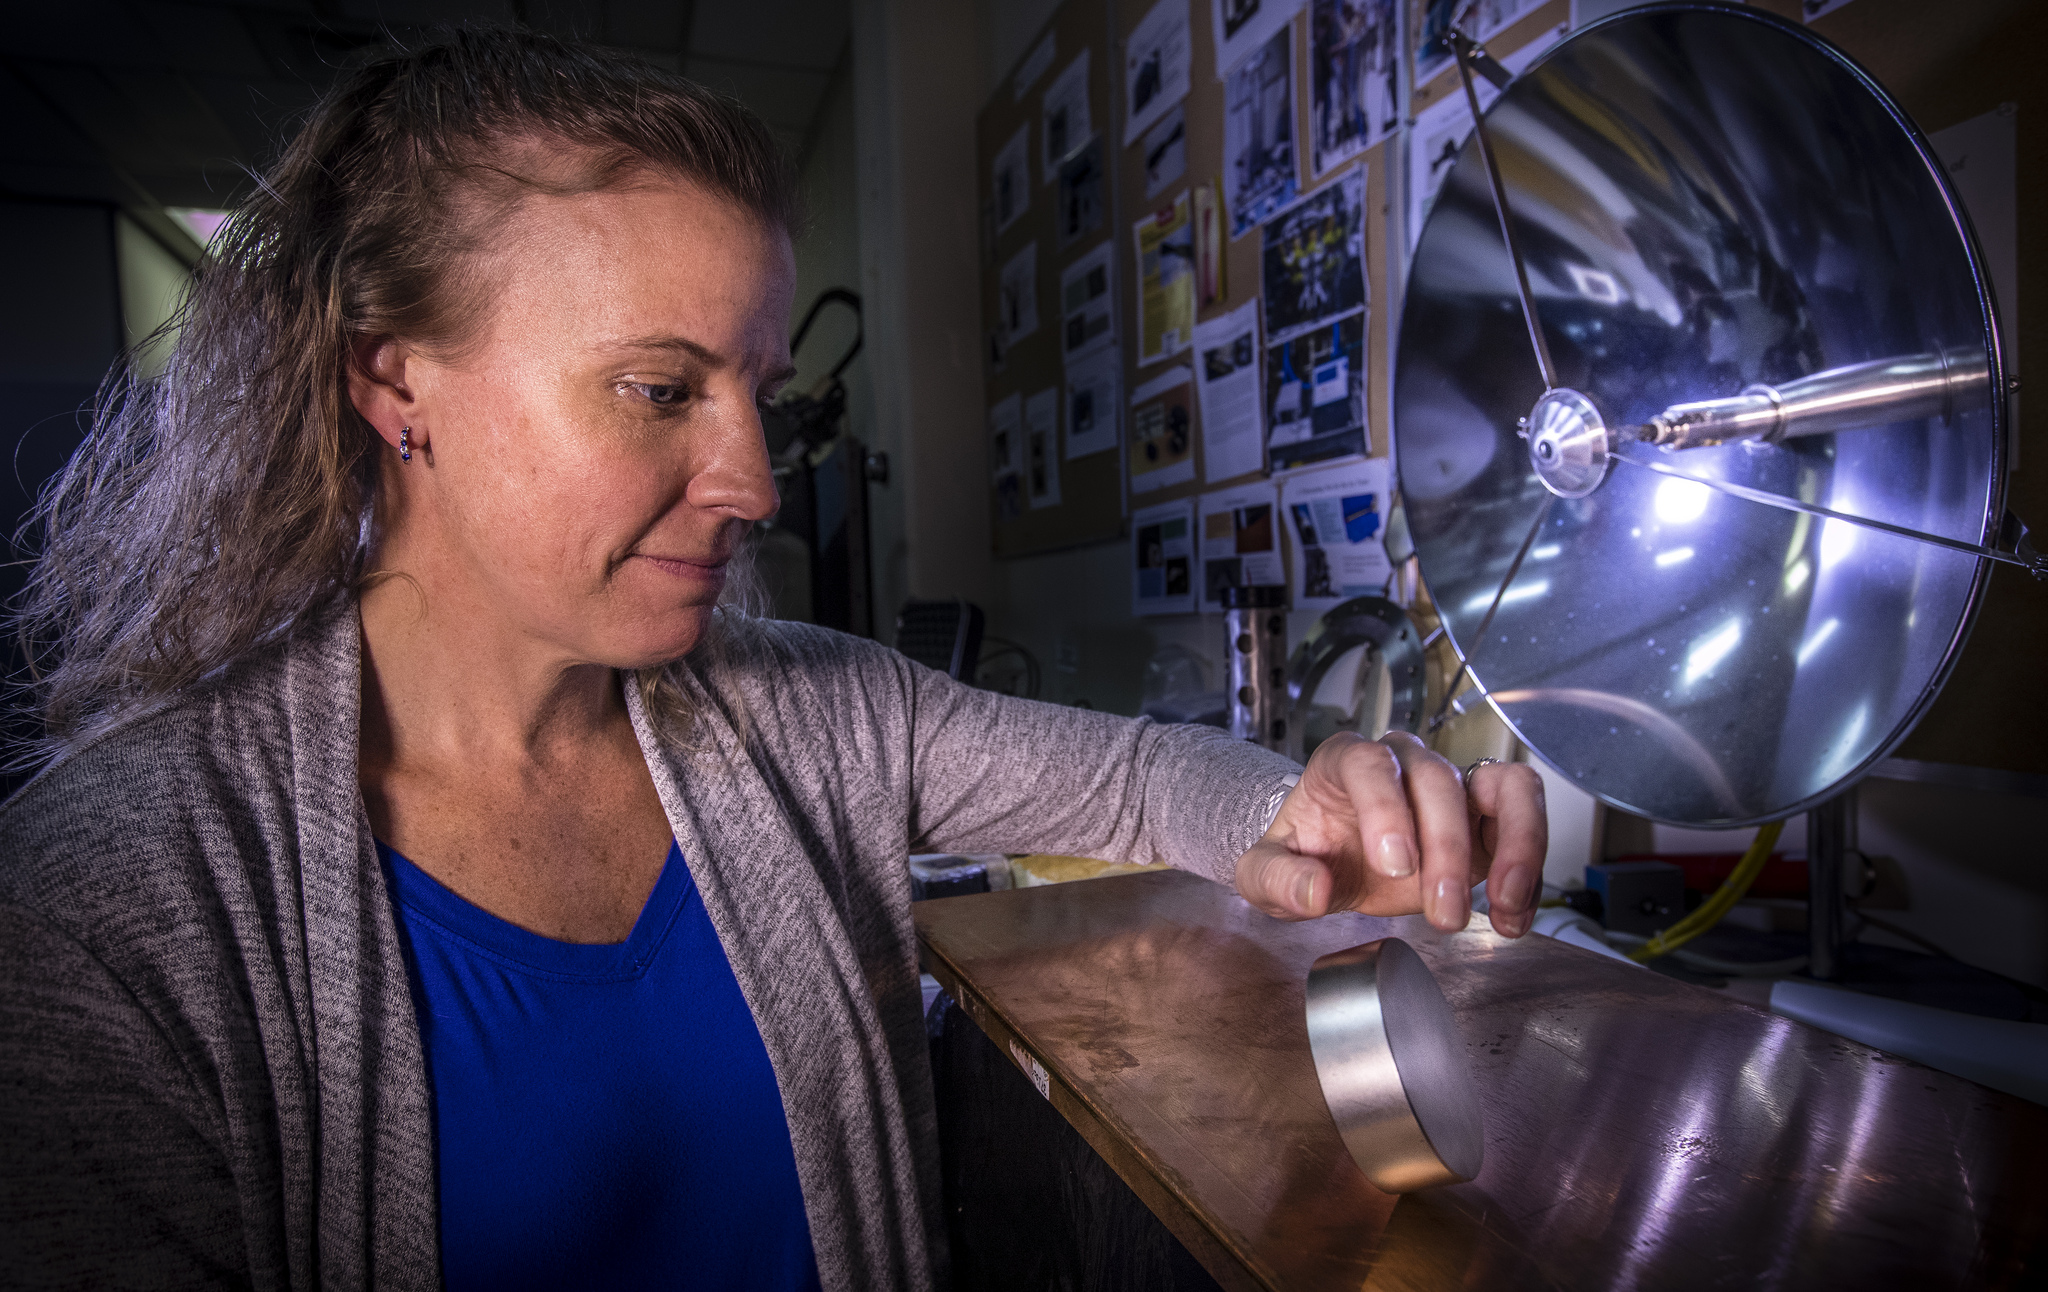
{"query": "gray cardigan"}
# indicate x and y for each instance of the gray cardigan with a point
(210, 1072)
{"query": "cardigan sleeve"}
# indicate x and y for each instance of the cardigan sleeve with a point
(993, 773)
(107, 1177)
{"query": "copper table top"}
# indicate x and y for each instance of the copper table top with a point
(1640, 1132)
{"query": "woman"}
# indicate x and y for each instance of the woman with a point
(435, 878)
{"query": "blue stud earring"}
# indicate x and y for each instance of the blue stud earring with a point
(405, 444)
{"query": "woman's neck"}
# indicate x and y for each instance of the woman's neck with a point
(505, 769)
(445, 680)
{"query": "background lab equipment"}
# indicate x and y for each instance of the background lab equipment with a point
(1700, 412)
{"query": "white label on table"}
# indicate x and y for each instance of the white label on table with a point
(1032, 1069)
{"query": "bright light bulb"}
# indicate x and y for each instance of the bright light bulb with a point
(1675, 556)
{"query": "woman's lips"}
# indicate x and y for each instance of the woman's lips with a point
(703, 570)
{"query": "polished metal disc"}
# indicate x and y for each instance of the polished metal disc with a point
(1393, 1068)
(1710, 201)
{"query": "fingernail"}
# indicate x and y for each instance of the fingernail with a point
(1305, 892)
(1396, 856)
(1452, 909)
(1511, 890)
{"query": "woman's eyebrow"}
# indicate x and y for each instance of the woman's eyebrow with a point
(708, 357)
(684, 344)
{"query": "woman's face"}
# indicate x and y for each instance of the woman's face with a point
(586, 467)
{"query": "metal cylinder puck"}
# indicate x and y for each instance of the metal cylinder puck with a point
(1393, 1068)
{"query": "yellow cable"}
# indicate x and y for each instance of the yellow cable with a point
(1710, 911)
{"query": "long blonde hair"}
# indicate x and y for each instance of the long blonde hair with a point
(217, 507)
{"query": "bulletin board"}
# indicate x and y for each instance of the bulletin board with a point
(1239, 280)
(1050, 486)
(1947, 65)
(1098, 493)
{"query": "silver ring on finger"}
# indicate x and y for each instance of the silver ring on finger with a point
(1475, 766)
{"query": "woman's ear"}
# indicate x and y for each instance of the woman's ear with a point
(379, 389)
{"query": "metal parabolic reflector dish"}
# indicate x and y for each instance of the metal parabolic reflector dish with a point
(1743, 514)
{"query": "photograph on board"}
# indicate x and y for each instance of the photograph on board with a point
(1240, 540)
(1258, 134)
(1163, 432)
(1166, 153)
(1065, 113)
(1433, 145)
(1042, 448)
(1313, 259)
(1315, 395)
(1439, 131)
(1232, 393)
(1017, 296)
(1241, 26)
(1156, 59)
(1080, 196)
(1353, 60)
(1166, 281)
(1005, 452)
(1010, 180)
(1339, 540)
(1163, 559)
(1489, 18)
(1087, 305)
(1094, 399)
(1034, 66)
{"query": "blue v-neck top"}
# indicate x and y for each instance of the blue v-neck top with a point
(604, 1116)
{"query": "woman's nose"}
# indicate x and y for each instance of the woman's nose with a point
(738, 478)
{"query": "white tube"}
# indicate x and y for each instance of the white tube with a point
(1567, 925)
(1995, 1052)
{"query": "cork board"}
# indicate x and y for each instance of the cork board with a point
(1240, 280)
(1042, 499)
(1945, 65)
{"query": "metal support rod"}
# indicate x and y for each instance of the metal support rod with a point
(1466, 53)
(1830, 840)
(1451, 691)
(2033, 562)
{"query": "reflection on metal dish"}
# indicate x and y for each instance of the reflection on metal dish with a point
(1393, 1067)
(1747, 271)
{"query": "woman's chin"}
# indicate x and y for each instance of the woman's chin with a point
(661, 641)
